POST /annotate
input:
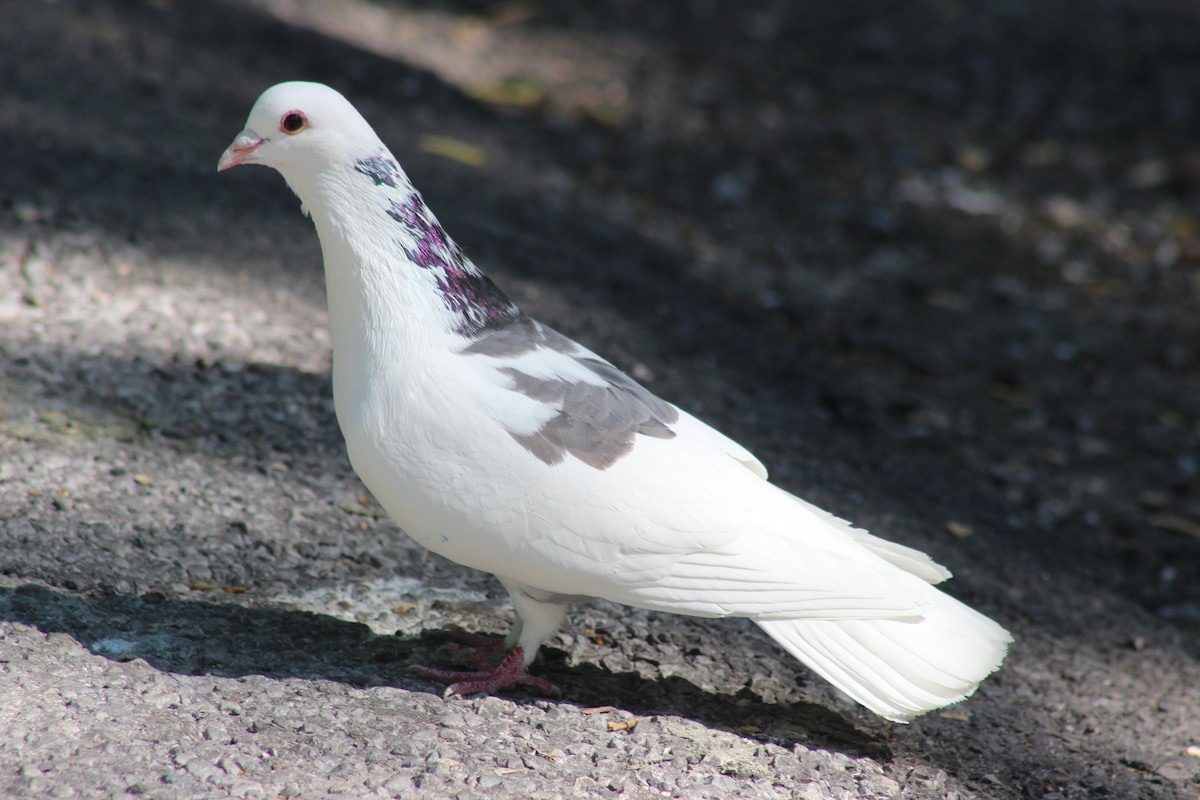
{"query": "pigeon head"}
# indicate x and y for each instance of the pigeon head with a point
(297, 127)
(364, 206)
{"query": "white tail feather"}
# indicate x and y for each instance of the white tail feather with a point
(899, 668)
(906, 558)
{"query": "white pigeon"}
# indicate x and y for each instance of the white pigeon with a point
(507, 447)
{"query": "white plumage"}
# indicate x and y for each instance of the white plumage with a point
(506, 447)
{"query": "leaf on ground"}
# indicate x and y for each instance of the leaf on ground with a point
(1176, 523)
(955, 714)
(453, 149)
(623, 725)
(959, 529)
(520, 92)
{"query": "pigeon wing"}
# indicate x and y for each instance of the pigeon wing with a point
(654, 508)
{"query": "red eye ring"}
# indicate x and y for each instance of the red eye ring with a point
(293, 122)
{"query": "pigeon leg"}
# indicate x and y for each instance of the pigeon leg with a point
(511, 672)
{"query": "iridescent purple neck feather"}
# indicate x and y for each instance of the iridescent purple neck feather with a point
(478, 303)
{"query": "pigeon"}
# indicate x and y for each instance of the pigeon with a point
(505, 446)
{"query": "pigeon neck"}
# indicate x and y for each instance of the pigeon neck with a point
(389, 263)
(474, 303)
(473, 300)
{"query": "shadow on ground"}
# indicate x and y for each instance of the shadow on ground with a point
(232, 641)
(898, 251)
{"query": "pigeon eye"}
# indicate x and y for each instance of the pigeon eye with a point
(293, 122)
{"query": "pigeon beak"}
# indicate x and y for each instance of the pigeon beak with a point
(241, 151)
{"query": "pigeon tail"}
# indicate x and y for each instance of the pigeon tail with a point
(899, 668)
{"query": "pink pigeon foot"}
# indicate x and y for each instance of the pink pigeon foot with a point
(511, 672)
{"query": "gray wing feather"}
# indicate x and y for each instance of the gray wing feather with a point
(517, 337)
(597, 422)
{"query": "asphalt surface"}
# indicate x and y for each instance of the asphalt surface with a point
(936, 268)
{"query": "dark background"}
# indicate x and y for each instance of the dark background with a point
(937, 263)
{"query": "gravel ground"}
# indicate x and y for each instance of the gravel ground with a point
(937, 264)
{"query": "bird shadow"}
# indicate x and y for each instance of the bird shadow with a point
(231, 640)
(744, 713)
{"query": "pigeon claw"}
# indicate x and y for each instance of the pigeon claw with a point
(509, 673)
